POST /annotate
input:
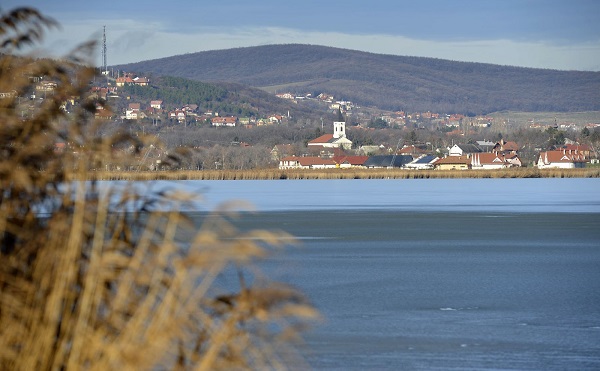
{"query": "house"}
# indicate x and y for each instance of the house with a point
(582, 149)
(488, 161)
(178, 115)
(141, 81)
(424, 162)
(453, 163)
(307, 162)
(46, 86)
(387, 161)
(103, 114)
(132, 115)
(371, 150)
(513, 159)
(345, 162)
(411, 150)
(224, 121)
(156, 104)
(99, 92)
(124, 80)
(189, 108)
(485, 145)
(133, 111)
(8, 94)
(275, 119)
(463, 149)
(560, 159)
(285, 96)
(244, 121)
(325, 97)
(506, 147)
(336, 140)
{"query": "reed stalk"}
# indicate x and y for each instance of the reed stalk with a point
(101, 278)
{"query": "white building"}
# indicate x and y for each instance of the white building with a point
(336, 140)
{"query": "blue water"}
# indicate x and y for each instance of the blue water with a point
(507, 195)
(448, 274)
(446, 290)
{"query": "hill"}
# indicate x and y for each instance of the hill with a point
(386, 81)
(224, 98)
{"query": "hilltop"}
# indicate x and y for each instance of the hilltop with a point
(386, 81)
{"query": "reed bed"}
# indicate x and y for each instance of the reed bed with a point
(120, 279)
(275, 174)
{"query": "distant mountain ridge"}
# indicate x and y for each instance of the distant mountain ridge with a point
(387, 81)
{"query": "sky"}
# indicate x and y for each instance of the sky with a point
(553, 34)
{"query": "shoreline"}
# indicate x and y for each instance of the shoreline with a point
(276, 174)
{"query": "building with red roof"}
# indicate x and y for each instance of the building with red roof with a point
(561, 159)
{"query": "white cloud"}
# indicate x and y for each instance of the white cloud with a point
(131, 41)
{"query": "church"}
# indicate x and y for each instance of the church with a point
(336, 140)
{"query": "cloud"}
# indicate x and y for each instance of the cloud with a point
(131, 41)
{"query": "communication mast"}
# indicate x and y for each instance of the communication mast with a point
(104, 67)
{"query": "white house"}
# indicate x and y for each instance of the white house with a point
(463, 149)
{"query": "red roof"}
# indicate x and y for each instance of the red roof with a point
(124, 79)
(453, 160)
(325, 138)
(311, 161)
(488, 158)
(511, 146)
(223, 119)
(352, 160)
(561, 156)
(407, 150)
(506, 146)
(576, 147)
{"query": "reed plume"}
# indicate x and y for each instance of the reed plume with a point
(98, 278)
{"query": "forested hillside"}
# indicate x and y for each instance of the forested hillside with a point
(225, 98)
(386, 81)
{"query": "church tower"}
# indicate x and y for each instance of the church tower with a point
(339, 129)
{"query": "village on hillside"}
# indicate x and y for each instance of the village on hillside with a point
(334, 147)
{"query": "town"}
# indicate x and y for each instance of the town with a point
(345, 136)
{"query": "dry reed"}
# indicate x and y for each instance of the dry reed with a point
(275, 174)
(107, 279)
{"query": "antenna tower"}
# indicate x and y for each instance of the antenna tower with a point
(104, 68)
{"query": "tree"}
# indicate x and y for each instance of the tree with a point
(100, 278)
(378, 123)
(340, 117)
(412, 137)
(585, 132)
(557, 137)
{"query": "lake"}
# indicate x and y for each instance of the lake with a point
(436, 274)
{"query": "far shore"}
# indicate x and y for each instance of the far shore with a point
(276, 174)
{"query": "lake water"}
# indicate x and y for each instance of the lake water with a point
(437, 274)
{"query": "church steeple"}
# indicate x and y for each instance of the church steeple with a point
(339, 129)
(339, 126)
(340, 116)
